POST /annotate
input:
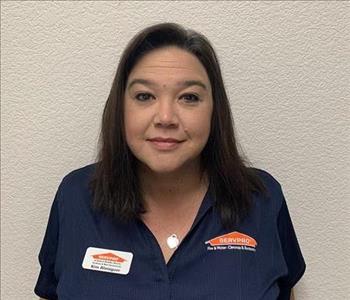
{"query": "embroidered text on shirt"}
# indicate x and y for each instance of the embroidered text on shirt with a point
(232, 241)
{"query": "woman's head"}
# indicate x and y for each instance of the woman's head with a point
(177, 45)
(126, 122)
(168, 96)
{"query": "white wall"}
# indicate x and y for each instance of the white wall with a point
(286, 69)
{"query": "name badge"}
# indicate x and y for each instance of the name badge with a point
(105, 260)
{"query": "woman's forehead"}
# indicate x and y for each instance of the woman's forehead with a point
(169, 66)
(177, 84)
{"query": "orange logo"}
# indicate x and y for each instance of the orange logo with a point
(234, 238)
(110, 257)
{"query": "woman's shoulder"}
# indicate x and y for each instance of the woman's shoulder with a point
(274, 194)
(80, 175)
(74, 190)
(270, 181)
(77, 179)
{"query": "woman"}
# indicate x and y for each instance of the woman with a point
(169, 210)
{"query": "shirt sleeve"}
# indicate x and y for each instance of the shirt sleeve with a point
(291, 252)
(47, 281)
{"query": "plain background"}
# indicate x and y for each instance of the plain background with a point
(286, 69)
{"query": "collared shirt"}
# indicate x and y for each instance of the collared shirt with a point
(260, 259)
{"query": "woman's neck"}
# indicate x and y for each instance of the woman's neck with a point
(166, 191)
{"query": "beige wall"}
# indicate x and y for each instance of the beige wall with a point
(286, 69)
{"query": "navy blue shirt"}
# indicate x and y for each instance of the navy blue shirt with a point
(259, 259)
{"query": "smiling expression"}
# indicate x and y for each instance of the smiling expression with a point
(168, 108)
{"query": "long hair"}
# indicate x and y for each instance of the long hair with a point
(115, 182)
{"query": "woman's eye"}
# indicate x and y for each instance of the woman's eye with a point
(143, 96)
(191, 98)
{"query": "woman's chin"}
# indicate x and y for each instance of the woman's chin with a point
(163, 169)
(166, 170)
(169, 166)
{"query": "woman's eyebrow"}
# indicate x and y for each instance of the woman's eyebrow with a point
(185, 83)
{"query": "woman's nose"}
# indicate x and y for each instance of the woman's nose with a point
(166, 114)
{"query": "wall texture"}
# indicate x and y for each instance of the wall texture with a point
(286, 68)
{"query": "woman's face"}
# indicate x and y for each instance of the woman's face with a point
(168, 108)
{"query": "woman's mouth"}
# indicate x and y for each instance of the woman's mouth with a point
(165, 143)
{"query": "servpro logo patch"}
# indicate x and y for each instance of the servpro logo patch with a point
(109, 257)
(232, 241)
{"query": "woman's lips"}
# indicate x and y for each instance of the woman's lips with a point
(165, 144)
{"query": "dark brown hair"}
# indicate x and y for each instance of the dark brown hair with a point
(115, 183)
